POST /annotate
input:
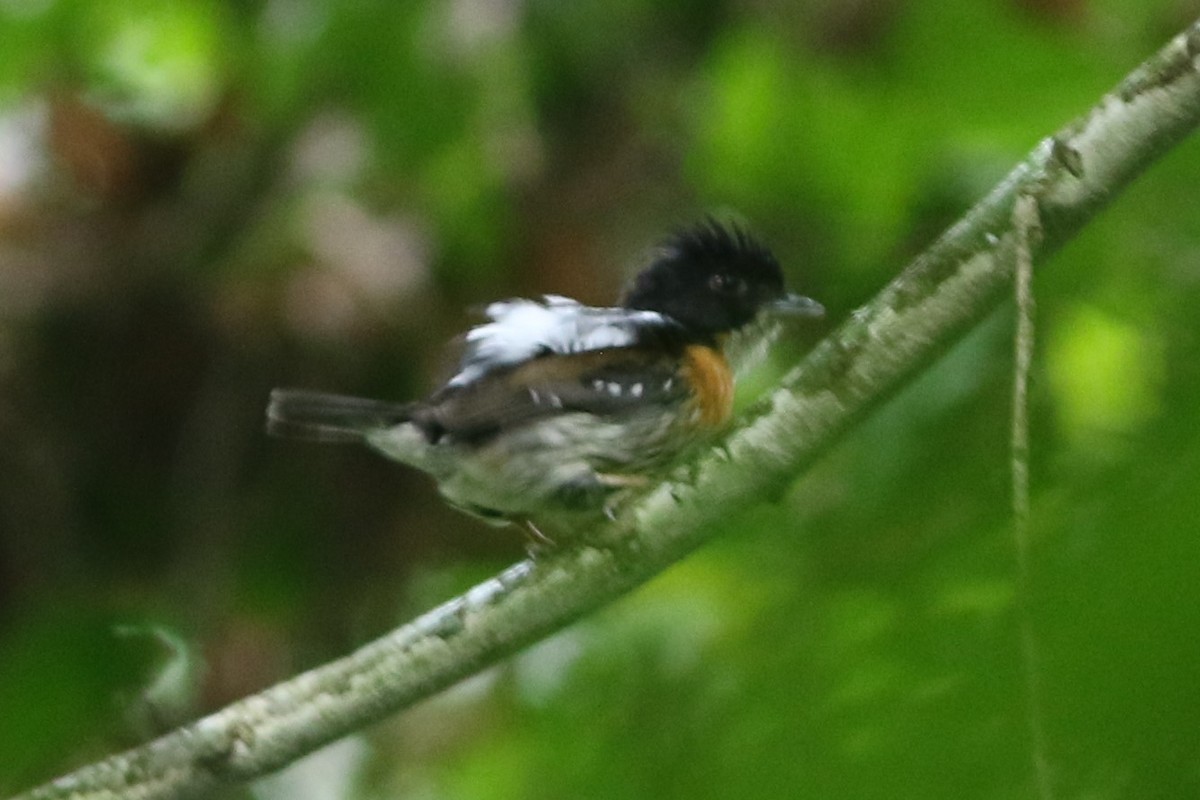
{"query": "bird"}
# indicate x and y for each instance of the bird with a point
(557, 408)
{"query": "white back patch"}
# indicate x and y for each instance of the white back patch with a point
(522, 329)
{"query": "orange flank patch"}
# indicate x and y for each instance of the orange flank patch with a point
(711, 379)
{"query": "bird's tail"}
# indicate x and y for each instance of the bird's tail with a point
(322, 417)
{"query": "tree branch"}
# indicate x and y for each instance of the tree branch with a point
(1070, 175)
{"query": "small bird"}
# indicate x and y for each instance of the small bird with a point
(556, 407)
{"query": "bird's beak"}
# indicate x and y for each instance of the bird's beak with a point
(794, 305)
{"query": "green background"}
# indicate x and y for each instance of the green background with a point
(201, 201)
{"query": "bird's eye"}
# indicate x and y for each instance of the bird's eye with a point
(728, 284)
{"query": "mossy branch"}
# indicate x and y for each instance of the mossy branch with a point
(953, 284)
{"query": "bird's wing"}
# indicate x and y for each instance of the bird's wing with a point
(604, 382)
(520, 330)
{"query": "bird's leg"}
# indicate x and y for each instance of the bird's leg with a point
(619, 485)
(536, 542)
(614, 480)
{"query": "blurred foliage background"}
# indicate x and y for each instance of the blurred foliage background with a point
(200, 201)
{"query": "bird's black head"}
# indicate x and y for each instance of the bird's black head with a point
(713, 278)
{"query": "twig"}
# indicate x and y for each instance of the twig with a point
(1028, 229)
